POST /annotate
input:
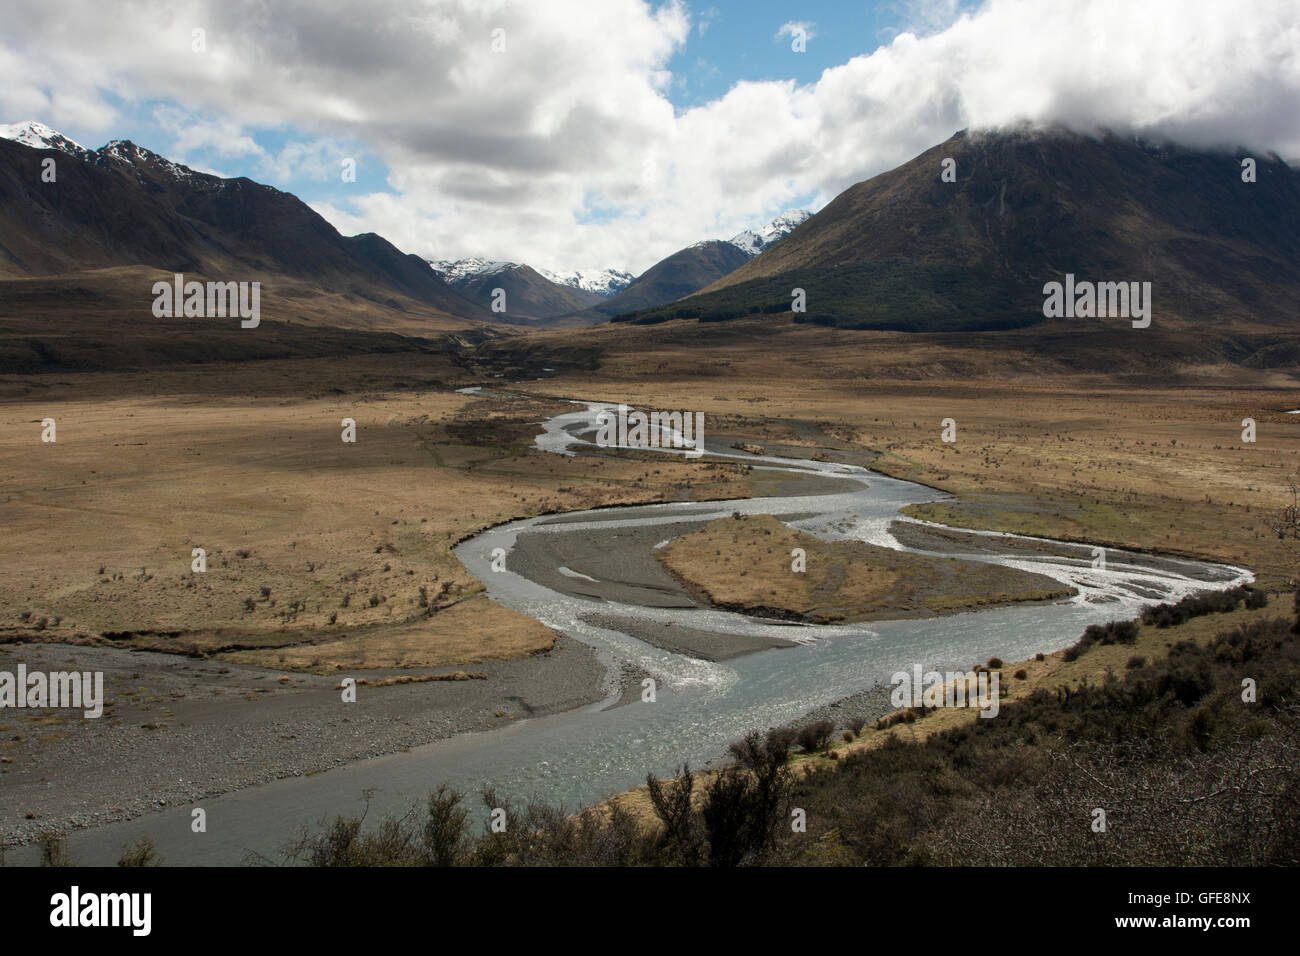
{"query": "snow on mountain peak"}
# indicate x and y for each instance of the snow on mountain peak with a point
(456, 270)
(603, 282)
(128, 152)
(755, 242)
(39, 136)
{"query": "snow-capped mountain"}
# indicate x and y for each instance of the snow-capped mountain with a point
(121, 151)
(753, 243)
(149, 210)
(39, 136)
(454, 271)
(605, 282)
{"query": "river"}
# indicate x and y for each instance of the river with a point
(700, 706)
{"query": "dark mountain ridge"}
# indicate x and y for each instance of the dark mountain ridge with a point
(908, 251)
(122, 205)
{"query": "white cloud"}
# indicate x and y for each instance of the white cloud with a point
(796, 28)
(706, 19)
(512, 155)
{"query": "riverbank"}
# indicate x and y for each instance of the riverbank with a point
(1060, 672)
(177, 730)
(629, 532)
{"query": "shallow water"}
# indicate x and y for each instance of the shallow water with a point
(584, 755)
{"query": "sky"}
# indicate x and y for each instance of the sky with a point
(585, 134)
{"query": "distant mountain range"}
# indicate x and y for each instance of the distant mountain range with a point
(123, 206)
(596, 296)
(753, 243)
(907, 250)
(602, 284)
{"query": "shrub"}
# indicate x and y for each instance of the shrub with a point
(444, 830)
(1195, 605)
(1021, 674)
(777, 744)
(53, 849)
(681, 839)
(1136, 661)
(815, 736)
(140, 854)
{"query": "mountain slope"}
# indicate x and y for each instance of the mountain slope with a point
(528, 293)
(907, 251)
(691, 269)
(755, 242)
(122, 205)
(682, 273)
(605, 282)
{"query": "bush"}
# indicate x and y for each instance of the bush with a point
(681, 839)
(1136, 661)
(1195, 605)
(444, 831)
(53, 849)
(140, 854)
(1021, 674)
(815, 736)
(745, 803)
(1114, 632)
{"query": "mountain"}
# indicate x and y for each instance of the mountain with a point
(528, 294)
(125, 206)
(906, 250)
(682, 273)
(605, 282)
(755, 242)
(39, 136)
(691, 269)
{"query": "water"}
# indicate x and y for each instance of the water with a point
(587, 754)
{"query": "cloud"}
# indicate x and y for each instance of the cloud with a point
(540, 153)
(796, 29)
(706, 19)
(190, 131)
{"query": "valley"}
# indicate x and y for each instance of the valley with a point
(355, 564)
(437, 548)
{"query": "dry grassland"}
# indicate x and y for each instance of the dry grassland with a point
(320, 554)
(745, 563)
(1112, 460)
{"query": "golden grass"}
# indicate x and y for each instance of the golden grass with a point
(316, 550)
(747, 563)
(1126, 463)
